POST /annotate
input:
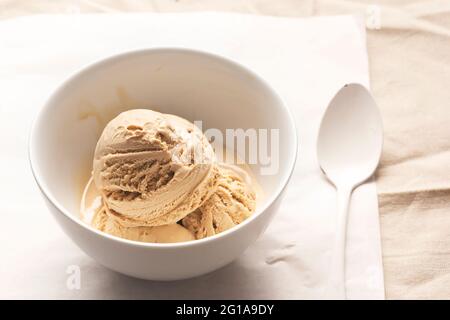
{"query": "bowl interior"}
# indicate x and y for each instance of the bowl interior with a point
(193, 85)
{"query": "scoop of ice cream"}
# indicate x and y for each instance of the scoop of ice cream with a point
(233, 202)
(160, 234)
(152, 168)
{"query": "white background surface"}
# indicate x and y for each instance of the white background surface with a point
(305, 60)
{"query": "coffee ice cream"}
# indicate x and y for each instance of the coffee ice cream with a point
(233, 201)
(160, 234)
(155, 178)
(153, 169)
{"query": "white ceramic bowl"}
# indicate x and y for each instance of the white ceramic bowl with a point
(188, 83)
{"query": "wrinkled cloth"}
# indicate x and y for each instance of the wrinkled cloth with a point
(410, 76)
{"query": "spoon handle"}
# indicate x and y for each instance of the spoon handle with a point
(337, 272)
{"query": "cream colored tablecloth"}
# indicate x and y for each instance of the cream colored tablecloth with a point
(410, 78)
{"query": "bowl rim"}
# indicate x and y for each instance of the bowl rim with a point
(98, 63)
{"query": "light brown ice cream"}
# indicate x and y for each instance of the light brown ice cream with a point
(155, 179)
(160, 234)
(153, 169)
(233, 202)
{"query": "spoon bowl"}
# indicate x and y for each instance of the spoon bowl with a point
(350, 136)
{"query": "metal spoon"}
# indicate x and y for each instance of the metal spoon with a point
(348, 149)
